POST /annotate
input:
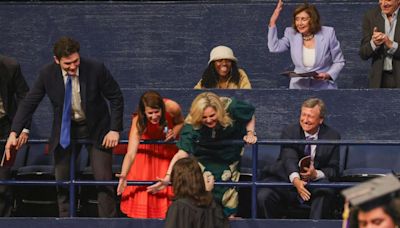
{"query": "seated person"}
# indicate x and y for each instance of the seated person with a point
(375, 203)
(222, 71)
(324, 165)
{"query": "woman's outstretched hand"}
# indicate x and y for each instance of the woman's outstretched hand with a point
(275, 14)
(121, 184)
(160, 185)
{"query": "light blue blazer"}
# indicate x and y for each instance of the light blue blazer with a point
(328, 56)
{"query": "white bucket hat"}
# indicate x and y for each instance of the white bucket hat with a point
(221, 52)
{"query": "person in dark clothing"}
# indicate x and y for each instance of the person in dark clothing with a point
(13, 89)
(193, 205)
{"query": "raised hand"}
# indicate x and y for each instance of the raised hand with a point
(275, 14)
(378, 37)
(171, 135)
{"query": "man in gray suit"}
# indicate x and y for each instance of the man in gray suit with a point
(381, 35)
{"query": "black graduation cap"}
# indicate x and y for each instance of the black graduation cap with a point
(374, 193)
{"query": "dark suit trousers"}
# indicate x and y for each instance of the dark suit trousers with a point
(273, 202)
(101, 164)
(6, 198)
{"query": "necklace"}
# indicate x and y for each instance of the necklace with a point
(308, 37)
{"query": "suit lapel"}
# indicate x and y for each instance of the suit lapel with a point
(380, 22)
(397, 29)
(83, 72)
(319, 48)
(298, 50)
(59, 84)
(3, 86)
(318, 151)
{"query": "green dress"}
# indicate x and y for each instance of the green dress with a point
(223, 161)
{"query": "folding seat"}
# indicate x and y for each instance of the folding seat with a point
(36, 200)
(363, 162)
(267, 154)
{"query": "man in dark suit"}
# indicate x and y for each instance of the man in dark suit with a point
(323, 167)
(381, 35)
(80, 86)
(13, 89)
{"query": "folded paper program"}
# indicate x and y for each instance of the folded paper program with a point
(293, 74)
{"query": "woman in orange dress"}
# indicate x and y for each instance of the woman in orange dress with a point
(158, 119)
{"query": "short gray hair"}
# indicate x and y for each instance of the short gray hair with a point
(312, 102)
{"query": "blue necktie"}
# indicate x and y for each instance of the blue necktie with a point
(65, 136)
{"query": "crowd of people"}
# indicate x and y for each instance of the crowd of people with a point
(88, 104)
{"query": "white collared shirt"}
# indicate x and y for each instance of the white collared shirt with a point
(390, 28)
(320, 174)
(2, 110)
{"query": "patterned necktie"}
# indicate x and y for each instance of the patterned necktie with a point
(65, 136)
(307, 148)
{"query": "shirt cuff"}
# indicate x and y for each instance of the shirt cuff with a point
(293, 175)
(320, 175)
(373, 46)
(392, 50)
(25, 131)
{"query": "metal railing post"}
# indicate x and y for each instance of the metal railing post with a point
(72, 183)
(253, 180)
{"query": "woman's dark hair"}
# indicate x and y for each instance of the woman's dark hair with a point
(392, 209)
(210, 76)
(188, 182)
(311, 10)
(150, 99)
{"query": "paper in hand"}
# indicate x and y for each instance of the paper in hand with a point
(293, 74)
(8, 163)
(305, 162)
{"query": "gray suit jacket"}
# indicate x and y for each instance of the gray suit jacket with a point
(373, 18)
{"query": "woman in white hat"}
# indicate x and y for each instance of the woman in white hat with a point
(222, 71)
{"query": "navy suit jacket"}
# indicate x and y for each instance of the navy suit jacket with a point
(13, 86)
(96, 85)
(326, 158)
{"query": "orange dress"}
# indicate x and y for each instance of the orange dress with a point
(151, 161)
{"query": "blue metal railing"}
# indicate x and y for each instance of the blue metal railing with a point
(254, 183)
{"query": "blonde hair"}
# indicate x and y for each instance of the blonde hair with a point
(203, 101)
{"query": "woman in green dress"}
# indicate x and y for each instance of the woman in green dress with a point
(213, 119)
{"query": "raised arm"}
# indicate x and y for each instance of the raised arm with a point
(175, 111)
(162, 183)
(276, 13)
